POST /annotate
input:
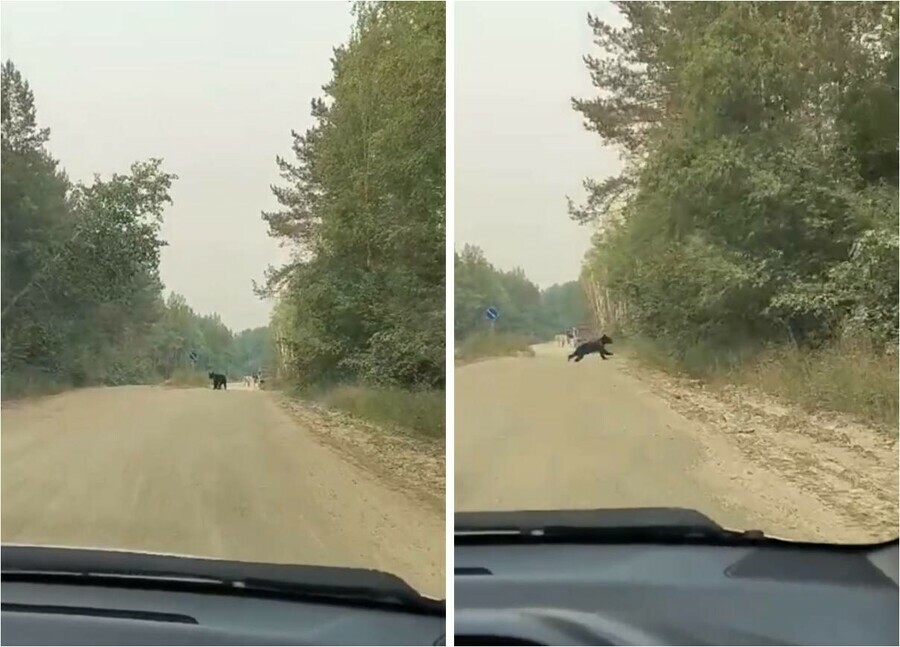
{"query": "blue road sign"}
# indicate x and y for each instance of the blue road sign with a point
(193, 355)
(491, 314)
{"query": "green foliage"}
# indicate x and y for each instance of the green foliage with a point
(80, 263)
(421, 413)
(180, 331)
(525, 310)
(852, 376)
(188, 377)
(486, 344)
(251, 350)
(759, 200)
(562, 306)
(363, 208)
(81, 296)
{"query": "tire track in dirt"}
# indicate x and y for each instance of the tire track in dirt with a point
(541, 433)
(211, 473)
(849, 467)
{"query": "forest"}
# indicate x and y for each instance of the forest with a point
(362, 208)
(757, 212)
(82, 301)
(525, 309)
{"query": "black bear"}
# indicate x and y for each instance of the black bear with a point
(594, 346)
(219, 381)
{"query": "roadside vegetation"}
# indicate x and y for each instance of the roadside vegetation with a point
(359, 318)
(82, 302)
(486, 344)
(420, 413)
(752, 236)
(528, 314)
(188, 377)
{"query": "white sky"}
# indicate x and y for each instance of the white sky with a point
(215, 88)
(212, 88)
(520, 148)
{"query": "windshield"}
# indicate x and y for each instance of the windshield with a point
(223, 281)
(713, 186)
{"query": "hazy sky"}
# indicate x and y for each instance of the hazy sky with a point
(212, 88)
(215, 88)
(520, 148)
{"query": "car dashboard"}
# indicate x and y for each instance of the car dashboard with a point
(53, 614)
(533, 593)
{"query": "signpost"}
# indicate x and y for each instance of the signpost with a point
(492, 314)
(193, 355)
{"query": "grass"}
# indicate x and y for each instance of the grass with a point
(848, 377)
(702, 361)
(188, 377)
(852, 377)
(421, 413)
(31, 382)
(487, 344)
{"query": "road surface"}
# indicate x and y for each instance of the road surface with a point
(543, 433)
(202, 472)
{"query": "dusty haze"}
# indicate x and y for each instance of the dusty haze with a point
(212, 88)
(520, 148)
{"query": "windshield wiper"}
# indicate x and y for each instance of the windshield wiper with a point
(123, 568)
(628, 525)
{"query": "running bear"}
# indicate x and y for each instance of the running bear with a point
(594, 346)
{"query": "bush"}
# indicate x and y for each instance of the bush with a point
(29, 381)
(852, 375)
(188, 377)
(849, 376)
(420, 412)
(756, 217)
(486, 344)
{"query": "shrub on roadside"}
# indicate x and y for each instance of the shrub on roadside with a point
(29, 382)
(848, 376)
(188, 378)
(851, 375)
(485, 344)
(419, 412)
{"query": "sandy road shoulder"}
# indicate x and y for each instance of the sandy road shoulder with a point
(819, 475)
(415, 467)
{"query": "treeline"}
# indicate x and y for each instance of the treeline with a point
(524, 308)
(82, 301)
(183, 340)
(759, 202)
(362, 205)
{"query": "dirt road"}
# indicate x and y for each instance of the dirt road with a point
(541, 433)
(203, 472)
